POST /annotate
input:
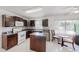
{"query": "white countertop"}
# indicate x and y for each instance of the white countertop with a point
(38, 34)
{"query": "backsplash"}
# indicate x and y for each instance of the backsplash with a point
(6, 29)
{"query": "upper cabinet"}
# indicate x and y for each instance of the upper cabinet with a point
(45, 23)
(25, 22)
(7, 21)
(19, 21)
(10, 21)
(32, 23)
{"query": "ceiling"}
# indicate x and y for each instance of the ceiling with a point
(46, 10)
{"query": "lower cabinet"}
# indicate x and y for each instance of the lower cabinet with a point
(9, 41)
(28, 34)
(38, 43)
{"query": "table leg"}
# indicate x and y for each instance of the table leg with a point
(62, 43)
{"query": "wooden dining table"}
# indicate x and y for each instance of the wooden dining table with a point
(62, 38)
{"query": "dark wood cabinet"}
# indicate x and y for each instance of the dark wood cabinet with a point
(20, 20)
(45, 23)
(17, 18)
(25, 22)
(38, 42)
(7, 21)
(3, 20)
(28, 33)
(32, 23)
(9, 41)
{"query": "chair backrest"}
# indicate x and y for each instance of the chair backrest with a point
(73, 38)
(53, 32)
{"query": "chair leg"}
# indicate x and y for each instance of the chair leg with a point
(58, 41)
(53, 38)
(73, 46)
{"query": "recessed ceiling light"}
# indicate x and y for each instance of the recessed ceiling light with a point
(76, 11)
(74, 8)
(33, 10)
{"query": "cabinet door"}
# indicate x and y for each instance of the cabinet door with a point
(45, 23)
(32, 23)
(3, 20)
(12, 41)
(25, 22)
(9, 43)
(33, 43)
(9, 22)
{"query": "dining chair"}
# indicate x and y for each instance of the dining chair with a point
(47, 36)
(55, 36)
(70, 40)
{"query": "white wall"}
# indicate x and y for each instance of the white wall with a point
(38, 24)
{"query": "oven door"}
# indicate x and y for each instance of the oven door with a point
(21, 36)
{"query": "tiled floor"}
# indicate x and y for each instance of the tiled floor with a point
(50, 47)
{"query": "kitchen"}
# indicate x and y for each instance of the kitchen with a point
(18, 27)
(31, 26)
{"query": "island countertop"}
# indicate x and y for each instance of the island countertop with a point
(38, 34)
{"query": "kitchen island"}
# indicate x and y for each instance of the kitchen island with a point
(45, 30)
(38, 42)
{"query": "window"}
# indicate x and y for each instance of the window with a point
(66, 25)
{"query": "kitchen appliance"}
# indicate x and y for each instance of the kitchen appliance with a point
(19, 23)
(21, 36)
